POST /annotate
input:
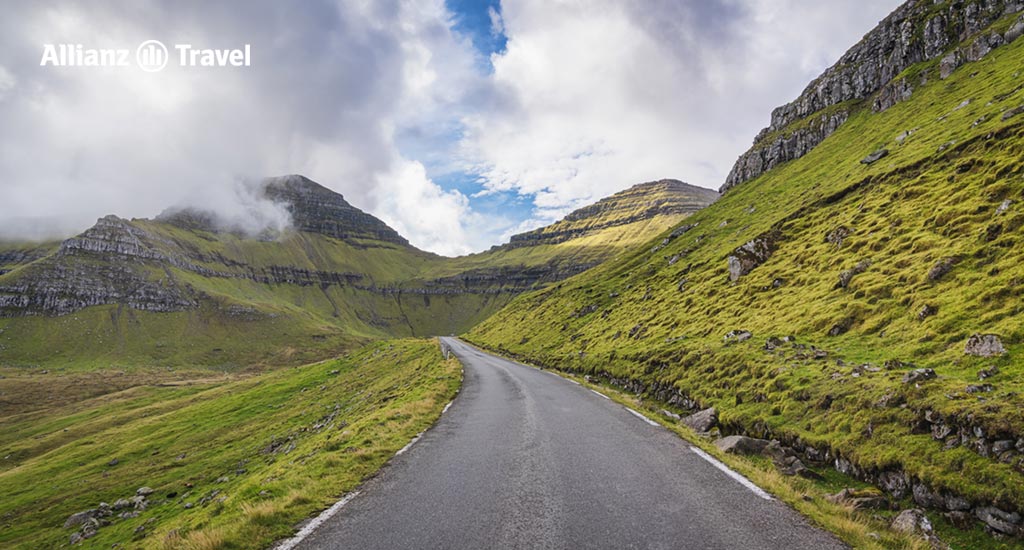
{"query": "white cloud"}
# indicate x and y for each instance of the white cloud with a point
(368, 98)
(606, 94)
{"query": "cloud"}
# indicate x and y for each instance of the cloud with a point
(605, 94)
(382, 100)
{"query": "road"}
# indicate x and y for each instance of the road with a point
(527, 459)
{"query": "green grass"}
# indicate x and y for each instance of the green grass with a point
(268, 449)
(906, 213)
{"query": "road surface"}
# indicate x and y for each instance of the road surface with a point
(527, 459)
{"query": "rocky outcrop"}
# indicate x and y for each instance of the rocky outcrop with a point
(984, 345)
(771, 151)
(919, 30)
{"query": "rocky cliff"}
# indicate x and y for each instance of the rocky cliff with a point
(872, 71)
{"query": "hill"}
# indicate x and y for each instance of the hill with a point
(856, 292)
(186, 289)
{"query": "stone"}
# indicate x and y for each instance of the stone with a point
(875, 157)
(81, 518)
(113, 462)
(1010, 113)
(984, 345)
(941, 268)
(918, 375)
(702, 421)
(787, 463)
(979, 388)
(737, 336)
(926, 311)
(860, 499)
(121, 504)
(745, 258)
(1003, 206)
(912, 522)
(741, 445)
(988, 373)
(1007, 523)
(144, 491)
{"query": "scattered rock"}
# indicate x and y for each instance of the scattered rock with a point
(737, 336)
(144, 491)
(745, 258)
(941, 268)
(984, 345)
(741, 445)
(875, 157)
(918, 375)
(1007, 523)
(988, 373)
(838, 235)
(1003, 206)
(847, 275)
(860, 499)
(979, 388)
(702, 421)
(1010, 113)
(926, 311)
(913, 522)
(786, 461)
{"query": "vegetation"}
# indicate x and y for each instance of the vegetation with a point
(235, 461)
(949, 194)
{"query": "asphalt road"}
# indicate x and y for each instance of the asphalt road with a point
(527, 459)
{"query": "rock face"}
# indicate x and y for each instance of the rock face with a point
(316, 209)
(916, 31)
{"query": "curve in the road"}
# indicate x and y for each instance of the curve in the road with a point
(526, 459)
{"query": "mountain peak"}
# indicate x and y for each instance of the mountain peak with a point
(317, 209)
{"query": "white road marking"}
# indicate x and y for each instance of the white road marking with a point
(291, 543)
(733, 474)
(601, 394)
(410, 444)
(573, 381)
(446, 407)
(642, 417)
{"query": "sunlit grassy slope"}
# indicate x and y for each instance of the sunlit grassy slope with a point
(234, 461)
(659, 315)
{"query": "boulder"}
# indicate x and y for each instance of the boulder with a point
(702, 421)
(875, 157)
(912, 521)
(918, 375)
(737, 336)
(786, 461)
(1007, 523)
(745, 258)
(941, 268)
(741, 445)
(984, 345)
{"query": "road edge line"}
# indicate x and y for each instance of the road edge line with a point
(732, 473)
(643, 417)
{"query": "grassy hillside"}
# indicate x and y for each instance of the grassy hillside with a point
(233, 461)
(875, 270)
(179, 291)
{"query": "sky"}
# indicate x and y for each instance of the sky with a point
(457, 122)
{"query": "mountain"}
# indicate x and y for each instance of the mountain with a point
(129, 291)
(856, 293)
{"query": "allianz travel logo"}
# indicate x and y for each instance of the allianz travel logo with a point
(150, 56)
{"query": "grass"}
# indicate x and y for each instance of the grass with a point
(659, 321)
(235, 461)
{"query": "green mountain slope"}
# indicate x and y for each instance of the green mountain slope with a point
(181, 290)
(801, 304)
